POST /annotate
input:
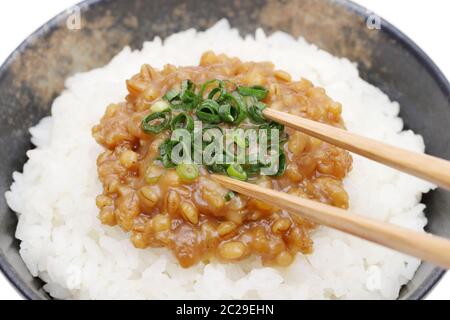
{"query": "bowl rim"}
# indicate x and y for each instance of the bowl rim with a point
(436, 274)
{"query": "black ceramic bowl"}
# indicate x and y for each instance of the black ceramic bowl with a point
(34, 75)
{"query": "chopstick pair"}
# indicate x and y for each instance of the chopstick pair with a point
(420, 165)
(422, 245)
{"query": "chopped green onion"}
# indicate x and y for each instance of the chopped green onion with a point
(215, 102)
(186, 99)
(220, 89)
(208, 111)
(187, 172)
(167, 146)
(276, 125)
(236, 102)
(255, 113)
(239, 139)
(190, 101)
(281, 164)
(259, 92)
(160, 106)
(171, 95)
(186, 86)
(249, 100)
(182, 121)
(227, 113)
(187, 94)
(228, 196)
(165, 151)
(167, 161)
(156, 122)
(205, 86)
(236, 171)
(271, 125)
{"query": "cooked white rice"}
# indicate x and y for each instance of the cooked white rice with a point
(65, 244)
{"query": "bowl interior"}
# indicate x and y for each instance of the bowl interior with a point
(34, 75)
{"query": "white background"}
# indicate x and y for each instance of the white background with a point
(424, 21)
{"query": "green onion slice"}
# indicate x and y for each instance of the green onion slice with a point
(272, 125)
(171, 95)
(165, 151)
(187, 87)
(167, 162)
(238, 104)
(187, 172)
(167, 146)
(206, 85)
(208, 111)
(160, 106)
(239, 139)
(186, 99)
(259, 92)
(255, 113)
(249, 100)
(182, 121)
(281, 164)
(156, 122)
(228, 113)
(236, 171)
(215, 93)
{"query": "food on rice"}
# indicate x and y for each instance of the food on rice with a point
(66, 245)
(179, 206)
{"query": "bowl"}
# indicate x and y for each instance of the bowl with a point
(34, 75)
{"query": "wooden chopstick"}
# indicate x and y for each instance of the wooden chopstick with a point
(423, 166)
(422, 245)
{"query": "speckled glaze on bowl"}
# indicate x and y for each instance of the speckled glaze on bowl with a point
(34, 75)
